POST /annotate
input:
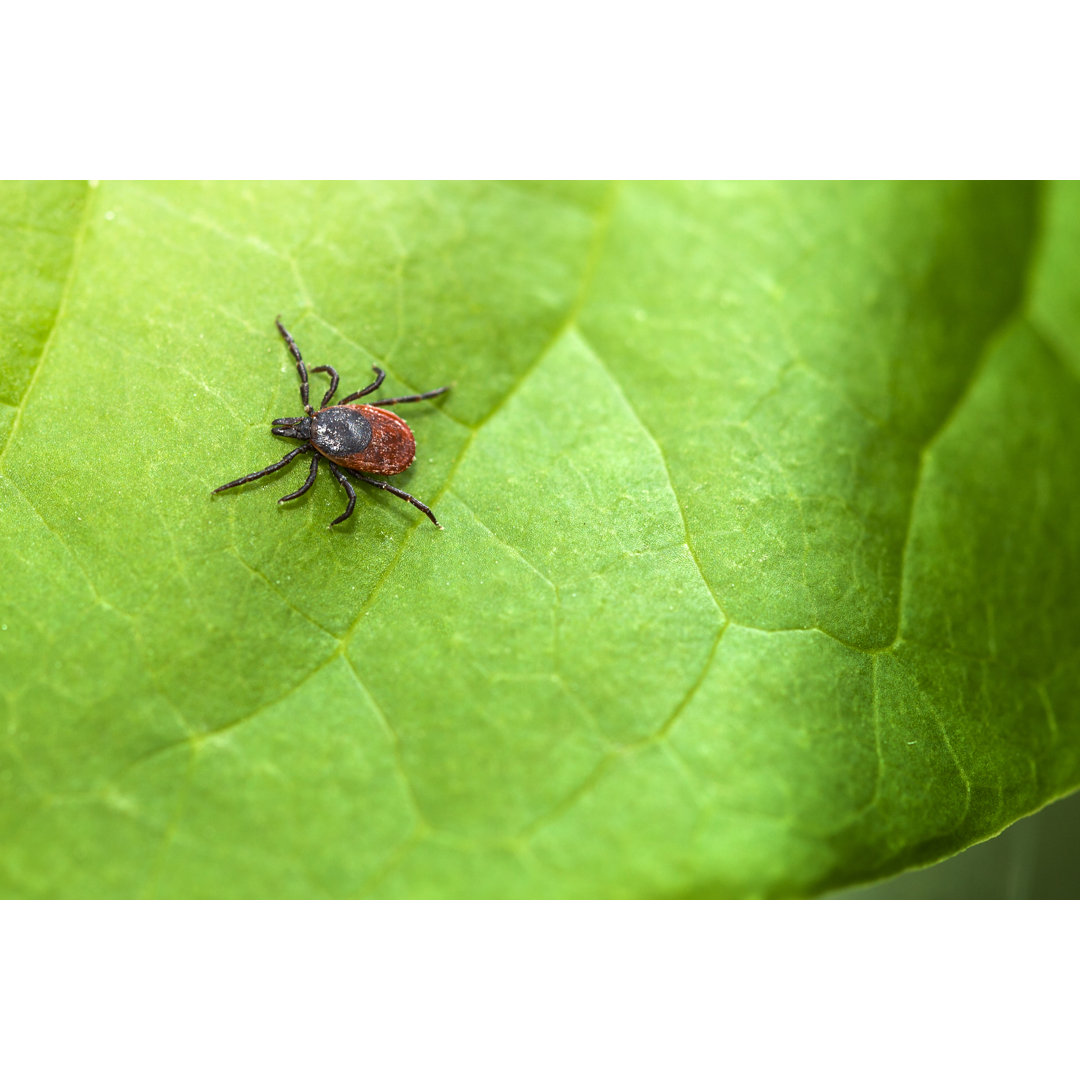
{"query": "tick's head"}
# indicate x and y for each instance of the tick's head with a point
(292, 427)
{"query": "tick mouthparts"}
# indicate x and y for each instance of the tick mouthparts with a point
(287, 421)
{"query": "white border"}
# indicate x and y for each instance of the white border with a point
(523, 990)
(412, 89)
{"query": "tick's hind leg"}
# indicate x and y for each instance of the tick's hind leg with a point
(411, 397)
(263, 472)
(349, 491)
(400, 494)
(313, 472)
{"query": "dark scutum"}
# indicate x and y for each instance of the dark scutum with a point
(339, 432)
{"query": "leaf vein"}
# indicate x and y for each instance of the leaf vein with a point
(61, 308)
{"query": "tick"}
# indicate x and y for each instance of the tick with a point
(362, 438)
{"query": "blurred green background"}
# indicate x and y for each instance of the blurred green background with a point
(1038, 858)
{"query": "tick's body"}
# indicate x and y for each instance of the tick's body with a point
(363, 437)
(360, 438)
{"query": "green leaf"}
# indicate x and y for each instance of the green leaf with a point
(761, 567)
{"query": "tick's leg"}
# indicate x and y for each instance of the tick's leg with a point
(369, 389)
(263, 472)
(300, 369)
(411, 397)
(333, 382)
(349, 491)
(400, 494)
(308, 482)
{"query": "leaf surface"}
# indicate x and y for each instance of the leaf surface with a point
(761, 567)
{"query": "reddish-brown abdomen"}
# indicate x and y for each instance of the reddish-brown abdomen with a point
(392, 447)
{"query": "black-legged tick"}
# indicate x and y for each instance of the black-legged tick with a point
(361, 438)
